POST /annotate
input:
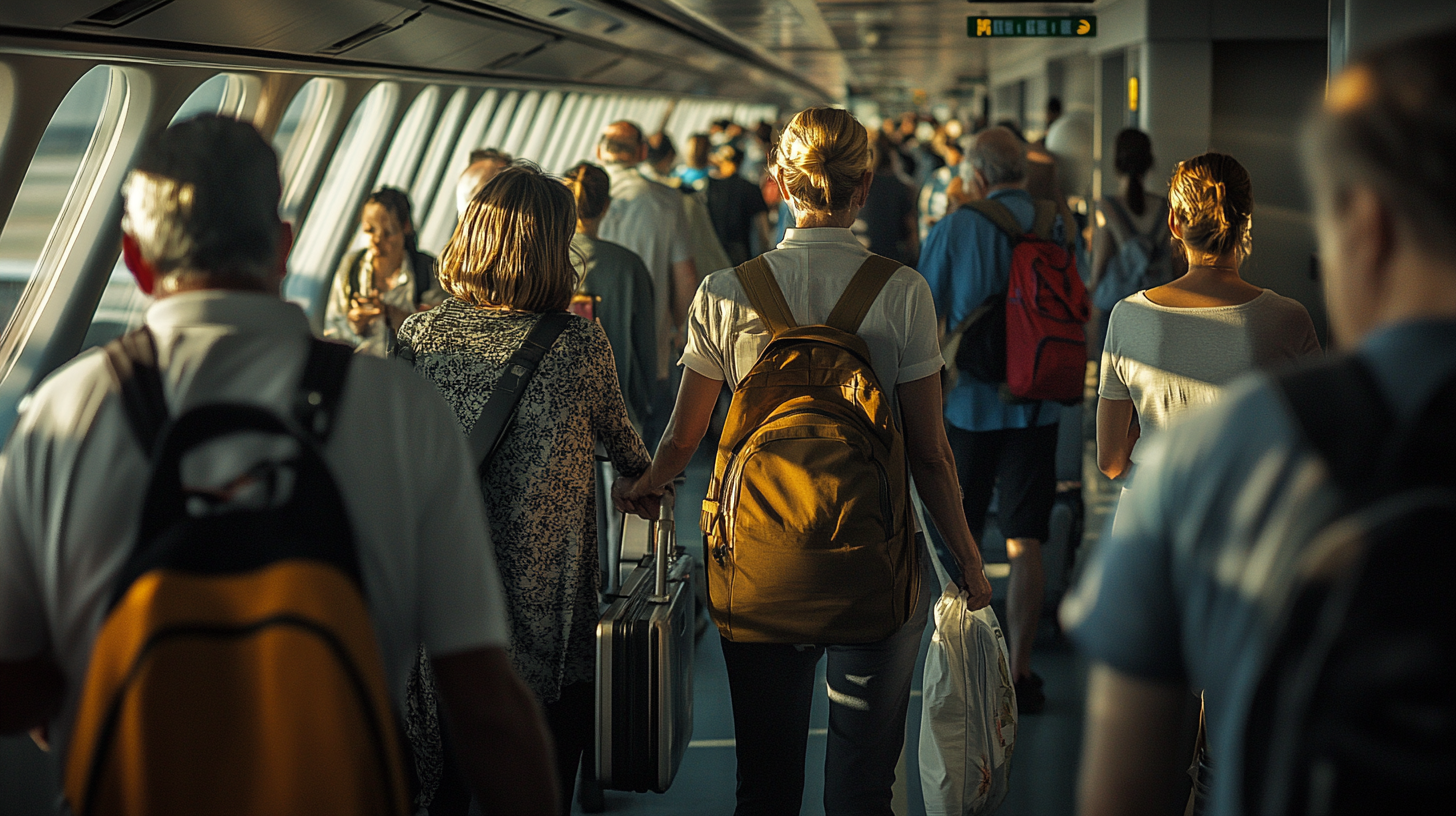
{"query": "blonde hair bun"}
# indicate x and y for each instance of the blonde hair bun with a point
(1212, 199)
(822, 155)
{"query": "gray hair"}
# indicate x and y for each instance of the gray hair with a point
(1001, 161)
(202, 198)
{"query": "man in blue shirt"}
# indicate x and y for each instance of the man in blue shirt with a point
(1187, 593)
(967, 259)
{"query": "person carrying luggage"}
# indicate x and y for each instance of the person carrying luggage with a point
(324, 513)
(775, 624)
(508, 271)
(1004, 440)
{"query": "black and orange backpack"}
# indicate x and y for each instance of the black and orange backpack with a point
(237, 668)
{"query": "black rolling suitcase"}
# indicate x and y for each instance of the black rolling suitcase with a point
(645, 669)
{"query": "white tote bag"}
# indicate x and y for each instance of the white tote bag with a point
(968, 721)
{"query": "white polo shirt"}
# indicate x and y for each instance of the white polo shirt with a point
(813, 267)
(72, 479)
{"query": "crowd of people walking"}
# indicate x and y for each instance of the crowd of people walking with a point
(659, 288)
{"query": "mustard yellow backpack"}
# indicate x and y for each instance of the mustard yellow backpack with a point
(807, 517)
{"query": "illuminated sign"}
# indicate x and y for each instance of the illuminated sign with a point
(1031, 26)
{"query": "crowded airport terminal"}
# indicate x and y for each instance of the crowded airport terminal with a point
(727, 407)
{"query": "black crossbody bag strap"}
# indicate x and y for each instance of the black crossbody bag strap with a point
(485, 437)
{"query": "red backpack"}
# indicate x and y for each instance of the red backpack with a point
(1035, 343)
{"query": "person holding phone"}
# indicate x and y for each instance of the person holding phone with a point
(377, 287)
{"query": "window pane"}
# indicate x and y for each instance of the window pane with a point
(409, 141)
(525, 113)
(207, 98)
(587, 130)
(302, 135)
(495, 136)
(541, 126)
(433, 164)
(48, 182)
(331, 220)
(558, 140)
(440, 225)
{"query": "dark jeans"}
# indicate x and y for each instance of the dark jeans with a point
(772, 685)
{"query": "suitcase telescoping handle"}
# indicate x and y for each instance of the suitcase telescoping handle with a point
(663, 536)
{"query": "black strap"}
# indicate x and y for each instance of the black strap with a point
(485, 437)
(322, 386)
(133, 358)
(1344, 416)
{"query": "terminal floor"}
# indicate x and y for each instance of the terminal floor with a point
(1048, 745)
(1044, 767)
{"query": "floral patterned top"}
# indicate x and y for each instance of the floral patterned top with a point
(540, 491)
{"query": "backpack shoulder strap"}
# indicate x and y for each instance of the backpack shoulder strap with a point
(133, 358)
(485, 437)
(1119, 222)
(997, 214)
(1159, 232)
(765, 295)
(1046, 217)
(861, 292)
(321, 387)
(1342, 414)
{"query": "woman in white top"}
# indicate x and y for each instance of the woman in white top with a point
(1176, 346)
(822, 163)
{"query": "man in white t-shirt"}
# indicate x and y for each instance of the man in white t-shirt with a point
(201, 233)
(649, 219)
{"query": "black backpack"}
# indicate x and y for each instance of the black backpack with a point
(237, 663)
(1355, 711)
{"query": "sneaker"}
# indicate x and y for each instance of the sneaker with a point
(1030, 699)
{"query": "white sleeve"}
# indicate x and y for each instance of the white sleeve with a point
(920, 357)
(462, 603)
(22, 614)
(1112, 385)
(703, 350)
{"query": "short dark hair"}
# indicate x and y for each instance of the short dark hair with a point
(202, 197)
(489, 154)
(659, 147)
(1388, 122)
(1054, 106)
(396, 202)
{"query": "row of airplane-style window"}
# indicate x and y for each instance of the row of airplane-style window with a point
(93, 132)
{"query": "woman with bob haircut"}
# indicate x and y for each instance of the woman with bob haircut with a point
(822, 164)
(507, 264)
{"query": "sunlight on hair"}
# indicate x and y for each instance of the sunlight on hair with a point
(157, 209)
(1353, 88)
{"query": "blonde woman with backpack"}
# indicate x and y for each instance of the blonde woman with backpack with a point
(875, 369)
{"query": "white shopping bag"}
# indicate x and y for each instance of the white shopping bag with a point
(968, 722)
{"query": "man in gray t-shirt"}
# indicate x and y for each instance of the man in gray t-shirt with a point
(1184, 595)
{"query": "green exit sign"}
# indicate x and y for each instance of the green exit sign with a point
(1032, 26)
